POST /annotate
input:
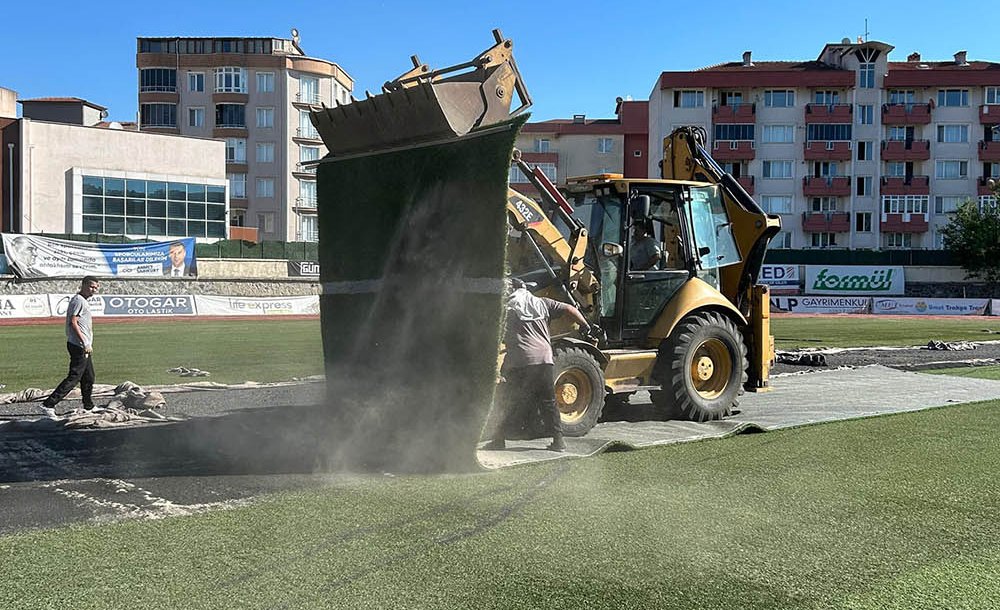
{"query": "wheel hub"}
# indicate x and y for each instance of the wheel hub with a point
(711, 368)
(705, 368)
(573, 394)
(568, 393)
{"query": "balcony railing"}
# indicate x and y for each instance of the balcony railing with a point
(829, 113)
(734, 113)
(305, 202)
(989, 151)
(906, 114)
(831, 186)
(905, 185)
(307, 97)
(733, 150)
(827, 150)
(307, 133)
(989, 114)
(232, 124)
(302, 168)
(904, 223)
(983, 187)
(826, 222)
(157, 89)
(906, 150)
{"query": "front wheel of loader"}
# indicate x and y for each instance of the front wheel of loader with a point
(702, 367)
(579, 387)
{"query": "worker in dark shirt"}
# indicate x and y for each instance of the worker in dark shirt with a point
(527, 367)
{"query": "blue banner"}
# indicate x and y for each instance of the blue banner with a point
(34, 256)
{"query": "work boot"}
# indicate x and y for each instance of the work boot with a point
(496, 444)
(557, 444)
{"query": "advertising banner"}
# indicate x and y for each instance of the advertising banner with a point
(303, 269)
(129, 305)
(854, 279)
(930, 307)
(995, 307)
(257, 306)
(24, 306)
(34, 256)
(781, 279)
(806, 304)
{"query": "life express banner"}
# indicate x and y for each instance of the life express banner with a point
(780, 279)
(257, 306)
(129, 305)
(854, 280)
(34, 256)
(930, 307)
(16, 306)
(806, 304)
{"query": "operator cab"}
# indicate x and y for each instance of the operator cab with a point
(692, 233)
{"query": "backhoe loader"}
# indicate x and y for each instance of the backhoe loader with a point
(419, 229)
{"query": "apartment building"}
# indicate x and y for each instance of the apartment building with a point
(851, 149)
(582, 146)
(254, 93)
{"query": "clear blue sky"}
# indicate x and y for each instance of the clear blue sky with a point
(576, 57)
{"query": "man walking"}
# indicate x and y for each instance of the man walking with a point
(527, 366)
(80, 344)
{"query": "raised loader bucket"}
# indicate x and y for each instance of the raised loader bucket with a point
(412, 249)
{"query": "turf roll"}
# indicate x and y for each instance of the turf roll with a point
(412, 246)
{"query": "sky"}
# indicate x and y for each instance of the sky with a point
(575, 57)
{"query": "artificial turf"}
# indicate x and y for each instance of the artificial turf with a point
(891, 512)
(791, 332)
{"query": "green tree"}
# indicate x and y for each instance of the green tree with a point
(973, 237)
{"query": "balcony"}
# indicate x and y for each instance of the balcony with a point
(903, 223)
(747, 183)
(305, 202)
(734, 113)
(307, 133)
(989, 114)
(826, 222)
(906, 114)
(983, 187)
(733, 150)
(908, 185)
(244, 233)
(306, 167)
(827, 150)
(989, 151)
(906, 150)
(307, 98)
(829, 113)
(826, 186)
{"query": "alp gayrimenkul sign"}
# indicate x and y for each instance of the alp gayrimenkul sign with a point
(854, 280)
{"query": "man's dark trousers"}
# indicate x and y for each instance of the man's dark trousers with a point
(528, 391)
(81, 370)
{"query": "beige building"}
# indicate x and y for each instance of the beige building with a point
(255, 95)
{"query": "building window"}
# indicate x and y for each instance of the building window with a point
(307, 193)
(157, 79)
(265, 82)
(196, 117)
(898, 240)
(689, 99)
(946, 204)
(230, 80)
(741, 132)
(516, 176)
(777, 169)
(828, 131)
(126, 206)
(196, 82)
(541, 145)
(265, 187)
(899, 133)
(776, 204)
(605, 145)
(902, 96)
(863, 222)
(265, 152)
(825, 169)
(307, 154)
(951, 170)
(865, 150)
(265, 222)
(778, 134)
(230, 115)
(306, 129)
(866, 76)
(308, 228)
(992, 95)
(905, 204)
(863, 186)
(824, 204)
(953, 133)
(237, 218)
(866, 114)
(308, 90)
(895, 169)
(823, 240)
(237, 185)
(265, 117)
(953, 97)
(826, 97)
(158, 115)
(236, 150)
(781, 98)
(781, 241)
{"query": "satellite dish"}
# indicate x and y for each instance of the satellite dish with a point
(295, 34)
(843, 41)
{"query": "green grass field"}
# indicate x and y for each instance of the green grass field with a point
(278, 350)
(888, 513)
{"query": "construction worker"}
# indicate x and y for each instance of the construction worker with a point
(527, 368)
(644, 252)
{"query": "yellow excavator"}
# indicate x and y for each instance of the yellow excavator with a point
(423, 161)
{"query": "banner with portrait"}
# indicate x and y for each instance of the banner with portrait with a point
(34, 256)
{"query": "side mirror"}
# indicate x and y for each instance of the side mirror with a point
(639, 207)
(611, 249)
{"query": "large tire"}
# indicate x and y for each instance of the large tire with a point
(579, 388)
(702, 367)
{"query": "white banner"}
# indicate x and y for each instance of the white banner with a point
(805, 304)
(930, 307)
(129, 305)
(24, 306)
(257, 306)
(854, 279)
(781, 279)
(34, 256)
(995, 307)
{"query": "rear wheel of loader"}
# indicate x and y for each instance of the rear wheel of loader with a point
(579, 386)
(702, 368)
